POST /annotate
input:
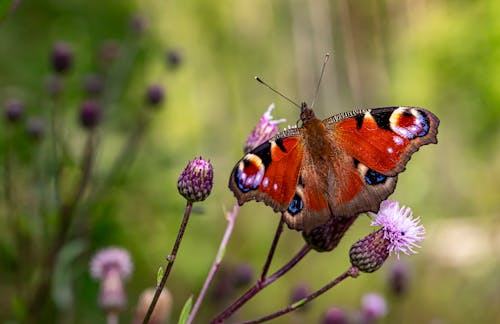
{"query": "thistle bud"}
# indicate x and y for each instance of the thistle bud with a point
(370, 253)
(14, 110)
(35, 127)
(335, 315)
(174, 59)
(90, 114)
(195, 182)
(154, 95)
(62, 57)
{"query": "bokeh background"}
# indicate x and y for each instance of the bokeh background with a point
(441, 55)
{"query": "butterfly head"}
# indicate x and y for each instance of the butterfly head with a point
(306, 113)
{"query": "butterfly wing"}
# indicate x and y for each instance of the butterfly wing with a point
(269, 173)
(374, 146)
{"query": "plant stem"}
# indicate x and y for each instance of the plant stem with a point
(351, 272)
(170, 261)
(65, 215)
(270, 255)
(231, 219)
(259, 285)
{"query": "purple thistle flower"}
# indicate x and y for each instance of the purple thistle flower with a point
(195, 182)
(400, 228)
(263, 131)
(35, 127)
(399, 232)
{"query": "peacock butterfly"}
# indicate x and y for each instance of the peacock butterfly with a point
(339, 167)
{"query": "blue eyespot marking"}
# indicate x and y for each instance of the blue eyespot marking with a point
(296, 205)
(372, 177)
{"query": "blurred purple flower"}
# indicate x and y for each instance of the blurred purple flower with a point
(14, 110)
(90, 114)
(61, 57)
(35, 127)
(299, 292)
(111, 266)
(155, 95)
(335, 315)
(263, 131)
(373, 307)
(398, 278)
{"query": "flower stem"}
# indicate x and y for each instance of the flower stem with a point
(270, 255)
(259, 285)
(231, 219)
(351, 272)
(170, 261)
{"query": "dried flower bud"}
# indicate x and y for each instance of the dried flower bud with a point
(160, 312)
(242, 275)
(111, 266)
(14, 110)
(335, 315)
(138, 24)
(399, 278)
(93, 84)
(327, 236)
(195, 182)
(54, 85)
(62, 57)
(35, 127)
(263, 131)
(154, 95)
(108, 52)
(90, 114)
(174, 58)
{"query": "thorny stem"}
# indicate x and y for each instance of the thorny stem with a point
(259, 285)
(170, 261)
(231, 219)
(351, 272)
(65, 215)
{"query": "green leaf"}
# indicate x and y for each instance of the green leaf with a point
(159, 276)
(4, 8)
(186, 310)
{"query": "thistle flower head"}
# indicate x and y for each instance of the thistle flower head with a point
(400, 228)
(195, 182)
(35, 127)
(399, 232)
(14, 110)
(111, 258)
(335, 315)
(264, 130)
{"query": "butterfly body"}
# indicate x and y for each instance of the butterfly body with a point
(339, 167)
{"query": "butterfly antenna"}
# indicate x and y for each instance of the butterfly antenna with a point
(327, 56)
(277, 92)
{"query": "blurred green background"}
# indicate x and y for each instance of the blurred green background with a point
(441, 55)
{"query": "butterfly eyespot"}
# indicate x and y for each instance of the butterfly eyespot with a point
(409, 123)
(372, 177)
(296, 205)
(250, 173)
